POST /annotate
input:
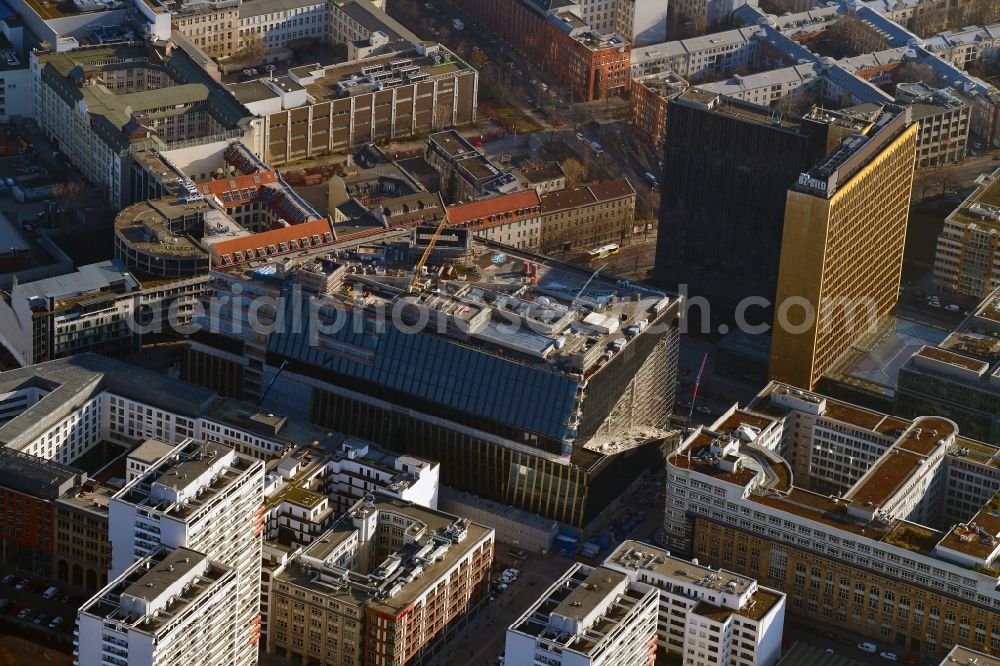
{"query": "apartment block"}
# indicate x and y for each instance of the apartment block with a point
(967, 261)
(310, 487)
(591, 616)
(206, 498)
(883, 525)
(213, 26)
(842, 248)
(172, 607)
(965, 46)
(580, 218)
(389, 581)
(512, 219)
(648, 105)
(466, 173)
(705, 615)
(720, 52)
(944, 119)
(960, 377)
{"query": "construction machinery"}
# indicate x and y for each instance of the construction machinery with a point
(427, 253)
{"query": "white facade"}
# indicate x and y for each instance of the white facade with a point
(595, 617)
(174, 608)
(202, 497)
(278, 22)
(690, 598)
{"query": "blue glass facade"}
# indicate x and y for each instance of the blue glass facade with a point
(437, 370)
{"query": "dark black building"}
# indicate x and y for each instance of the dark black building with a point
(727, 168)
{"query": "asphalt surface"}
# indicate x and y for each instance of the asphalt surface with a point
(33, 600)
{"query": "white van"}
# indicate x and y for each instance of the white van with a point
(870, 648)
(50, 592)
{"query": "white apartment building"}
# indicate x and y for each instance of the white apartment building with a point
(206, 498)
(591, 616)
(639, 21)
(963, 47)
(174, 607)
(967, 261)
(706, 615)
(312, 486)
(719, 52)
(804, 490)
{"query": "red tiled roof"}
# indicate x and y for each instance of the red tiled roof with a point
(483, 209)
(241, 189)
(265, 240)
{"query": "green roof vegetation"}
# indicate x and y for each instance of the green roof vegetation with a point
(913, 537)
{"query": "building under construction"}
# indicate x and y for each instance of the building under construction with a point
(535, 383)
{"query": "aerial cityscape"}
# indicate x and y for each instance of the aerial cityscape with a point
(499, 332)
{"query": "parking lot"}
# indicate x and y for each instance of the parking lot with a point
(22, 607)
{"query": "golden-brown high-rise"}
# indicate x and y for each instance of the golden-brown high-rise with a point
(842, 248)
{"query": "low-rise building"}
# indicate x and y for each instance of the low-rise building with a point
(967, 261)
(389, 581)
(706, 615)
(944, 122)
(963, 656)
(583, 217)
(542, 178)
(964, 47)
(512, 219)
(591, 616)
(466, 173)
(168, 608)
(960, 377)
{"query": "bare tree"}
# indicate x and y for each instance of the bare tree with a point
(253, 49)
(798, 102)
(914, 72)
(576, 172)
(70, 194)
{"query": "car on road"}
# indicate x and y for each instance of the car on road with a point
(951, 307)
(703, 409)
(951, 193)
(889, 656)
(868, 647)
(24, 614)
(8, 579)
(23, 584)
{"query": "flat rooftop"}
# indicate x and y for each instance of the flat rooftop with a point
(381, 72)
(640, 556)
(982, 207)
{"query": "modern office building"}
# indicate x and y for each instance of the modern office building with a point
(842, 248)
(390, 582)
(883, 525)
(705, 615)
(206, 498)
(579, 218)
(172, 607)
(591, 616)
(321, 110)
(967, 262)
(99, 307)
(557, 413)
(960, 377)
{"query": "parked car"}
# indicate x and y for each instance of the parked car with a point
(23, 584)
(951, 307)
(8, 579)
(50, 592)
(24, 614)
(868, 647)
(703, 409)
(889, 656)
(56, 621)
